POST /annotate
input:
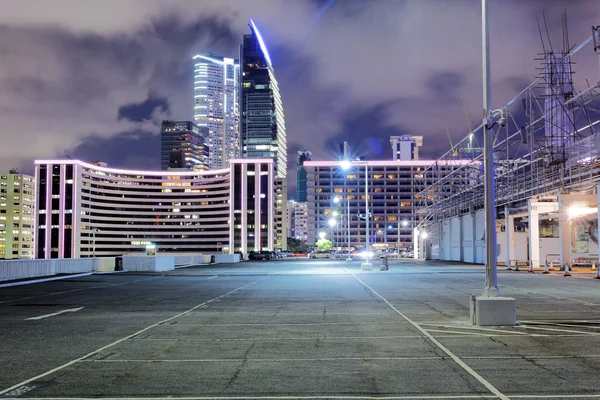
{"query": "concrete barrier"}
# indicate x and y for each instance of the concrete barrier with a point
(22, 269)
(149, 263)
(188, 259)
(227, 258)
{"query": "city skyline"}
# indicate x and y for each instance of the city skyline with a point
(123, 75)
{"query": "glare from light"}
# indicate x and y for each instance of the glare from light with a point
(336, 199)
(580, 211)
(404, 223)
(424, 235)
(332, 222)
(322, 235)
(335, 213)
(346, 164)
(389, 227)
(365, 254)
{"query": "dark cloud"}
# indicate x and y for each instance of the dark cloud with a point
(143, 111)
(94, 79)
(445, 84)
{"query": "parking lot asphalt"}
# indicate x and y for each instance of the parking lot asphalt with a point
(299, 329)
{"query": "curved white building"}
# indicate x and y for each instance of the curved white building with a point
(86, 209)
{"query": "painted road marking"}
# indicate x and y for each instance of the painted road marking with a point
(69, 310)
(79, 290)
(102, 349)
(454, 357)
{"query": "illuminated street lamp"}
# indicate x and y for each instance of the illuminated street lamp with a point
(322, 235)
(346, 164)
(332, 222)
(404, 223)
(336, 200)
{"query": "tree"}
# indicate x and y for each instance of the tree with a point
(324, 244)
(294, 244)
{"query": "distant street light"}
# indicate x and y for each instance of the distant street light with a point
(322, 235)
(336, 200)
(346, 164)
(332, 222)
(404, 223)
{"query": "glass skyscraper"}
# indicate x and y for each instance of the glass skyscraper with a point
(216, 106)
(262, 123)
(183, 145)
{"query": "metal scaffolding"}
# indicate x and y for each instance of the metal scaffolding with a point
(549, 145)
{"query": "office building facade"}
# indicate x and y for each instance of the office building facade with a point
(183, 146)
(405, 148)
(303, 155)
(86, 210)
(216, 106)
(394, 188)
(17, 208)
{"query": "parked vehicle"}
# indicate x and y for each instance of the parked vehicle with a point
(321, 254)
(262, 255)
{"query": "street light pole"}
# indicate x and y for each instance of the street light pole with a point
(94, 242)
(367, 265)
(491, 276)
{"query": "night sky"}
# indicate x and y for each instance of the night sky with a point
(92, 79)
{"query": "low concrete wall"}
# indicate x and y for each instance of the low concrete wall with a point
(105, 264)
(148, 263)
(227, 258)
(21, 269)
(192, 259)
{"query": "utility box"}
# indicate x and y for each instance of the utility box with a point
(384, 263)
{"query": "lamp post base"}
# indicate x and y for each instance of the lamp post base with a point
(366, 266)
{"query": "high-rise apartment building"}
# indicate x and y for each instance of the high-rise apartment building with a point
(216, 106)
(17, 203)
(300, 222)
(262, 123)
(297, 220)
(87, 210)
(406, 147)
(394, 198)
(183, 146)
(303, 155)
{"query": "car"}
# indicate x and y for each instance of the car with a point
(320, 254)
(262, 255)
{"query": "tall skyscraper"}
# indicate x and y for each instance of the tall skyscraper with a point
(216, 106)
(16, 215)
(406, 148)
(183, 145)
(303, 155)
(262, 123)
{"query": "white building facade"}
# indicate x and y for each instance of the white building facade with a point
(405, 148)
(393, 188)
(86, 210)
(216, 106)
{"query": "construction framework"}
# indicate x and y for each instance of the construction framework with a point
(549, 145)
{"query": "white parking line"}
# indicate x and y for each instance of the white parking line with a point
(126, 337)
(69, 310)
(457, 360)
(326, 396)
(78, 290)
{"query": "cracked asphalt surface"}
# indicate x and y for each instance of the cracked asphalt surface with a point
(299, 328)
